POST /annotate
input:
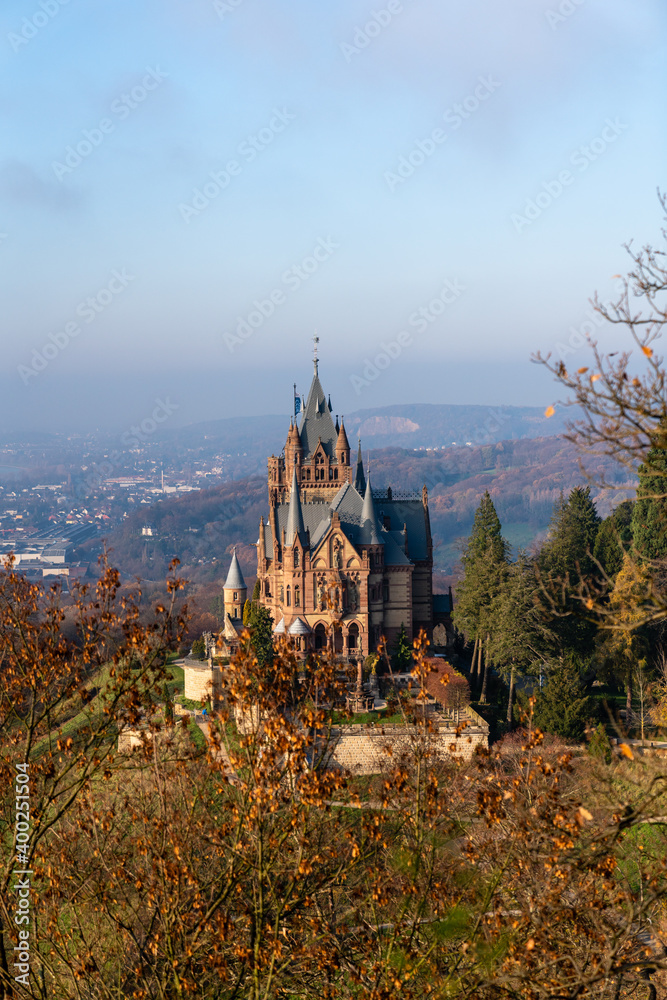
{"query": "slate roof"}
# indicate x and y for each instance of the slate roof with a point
(349, 506)
(234, 579)
(316, 422)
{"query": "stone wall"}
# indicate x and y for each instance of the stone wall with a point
(201, 681)
(371, 750)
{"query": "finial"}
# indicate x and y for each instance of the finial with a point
(316, 341)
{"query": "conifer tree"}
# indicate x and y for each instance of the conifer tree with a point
(485, 562)
(247, 611)
(563, 707)
(520, 637)
(649, 518)
(255, 591)
(613, 538)
(566, 562)
(260, 624)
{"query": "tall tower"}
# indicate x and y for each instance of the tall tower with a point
(235, 591)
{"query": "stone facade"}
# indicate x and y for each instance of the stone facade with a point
(339, 564)
(201, 681)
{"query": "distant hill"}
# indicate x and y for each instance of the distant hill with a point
(524, 478)
(418, 425)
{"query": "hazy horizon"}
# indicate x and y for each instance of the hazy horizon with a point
(190, 188)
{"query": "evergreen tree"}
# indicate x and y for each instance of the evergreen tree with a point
(485, 561)
(625, 643)
(255, 591)
(563, 707)
(566, 562)
(247, 611)
(520, 638)
(402, 653)
(261, 634)
(168, 704)
(614, 537)
(599, 745)
(649, 518)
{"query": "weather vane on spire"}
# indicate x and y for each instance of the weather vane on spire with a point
(316, 341)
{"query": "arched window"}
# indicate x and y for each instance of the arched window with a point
(289, 597)
(297, 596)
(335, 473)
(296, 559)
(353, 636)
(320, 636)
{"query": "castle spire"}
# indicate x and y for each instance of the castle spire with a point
(295, 527)
(234, 579)
(370, 532)
(359, 477)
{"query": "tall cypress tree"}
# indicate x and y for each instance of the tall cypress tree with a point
(485, 561)
(649, 518)
(614, 538)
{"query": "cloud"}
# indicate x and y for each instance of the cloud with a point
(20, 183)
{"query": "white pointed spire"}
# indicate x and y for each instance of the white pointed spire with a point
(295, 516)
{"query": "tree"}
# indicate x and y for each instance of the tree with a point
(485, 561)
(256, 591)
(247, 611)
(625, 643)
(614, 537)
(402, 652)
(520, 638)
(563, 707)
(567, 566)
(260, 624)
(199, 649)
(649, 518)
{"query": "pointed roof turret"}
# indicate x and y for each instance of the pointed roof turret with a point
(317, 422)
(359, 477)
(342, 444)
(370, 530)
(295, 527)
(235, 579)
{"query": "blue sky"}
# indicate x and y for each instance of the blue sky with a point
(305, 113)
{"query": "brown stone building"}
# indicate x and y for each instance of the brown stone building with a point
(335, 552)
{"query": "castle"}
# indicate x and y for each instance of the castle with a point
(338, 563)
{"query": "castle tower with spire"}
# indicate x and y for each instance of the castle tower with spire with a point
(338, 562)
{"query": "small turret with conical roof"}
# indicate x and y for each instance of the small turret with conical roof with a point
(235, 591)
(342, 446)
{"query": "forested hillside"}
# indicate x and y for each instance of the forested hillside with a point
(523, 477)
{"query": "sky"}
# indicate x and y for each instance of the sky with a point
(190, 190)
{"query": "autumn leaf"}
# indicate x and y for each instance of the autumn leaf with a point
(550, 410)
(648, 351)
(594, 378)
(530, 944)
(626, 751)
(584, 813)
(580, 371)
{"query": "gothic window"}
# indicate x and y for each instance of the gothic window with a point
(267, 588)
(296, 559)
(282, 593)
(320, 636)
(385, 593)
(289, 597)
(297, 644)
(236, 597)
(297, 597)
(353, 636)
(335, 473)
(308, 474)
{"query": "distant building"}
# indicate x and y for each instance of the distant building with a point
(338, 562)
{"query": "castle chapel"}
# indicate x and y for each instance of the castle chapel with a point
(339, 562)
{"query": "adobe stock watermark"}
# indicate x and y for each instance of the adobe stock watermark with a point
(131, 439)
(582, 158)
(454, 117)
(248, 150)
(32, 25)
(291, 279)
(365, 33)
(565, 9)
(22, 887)
(121, 108)
(225, 7)
(419, 320)
(87, 310)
